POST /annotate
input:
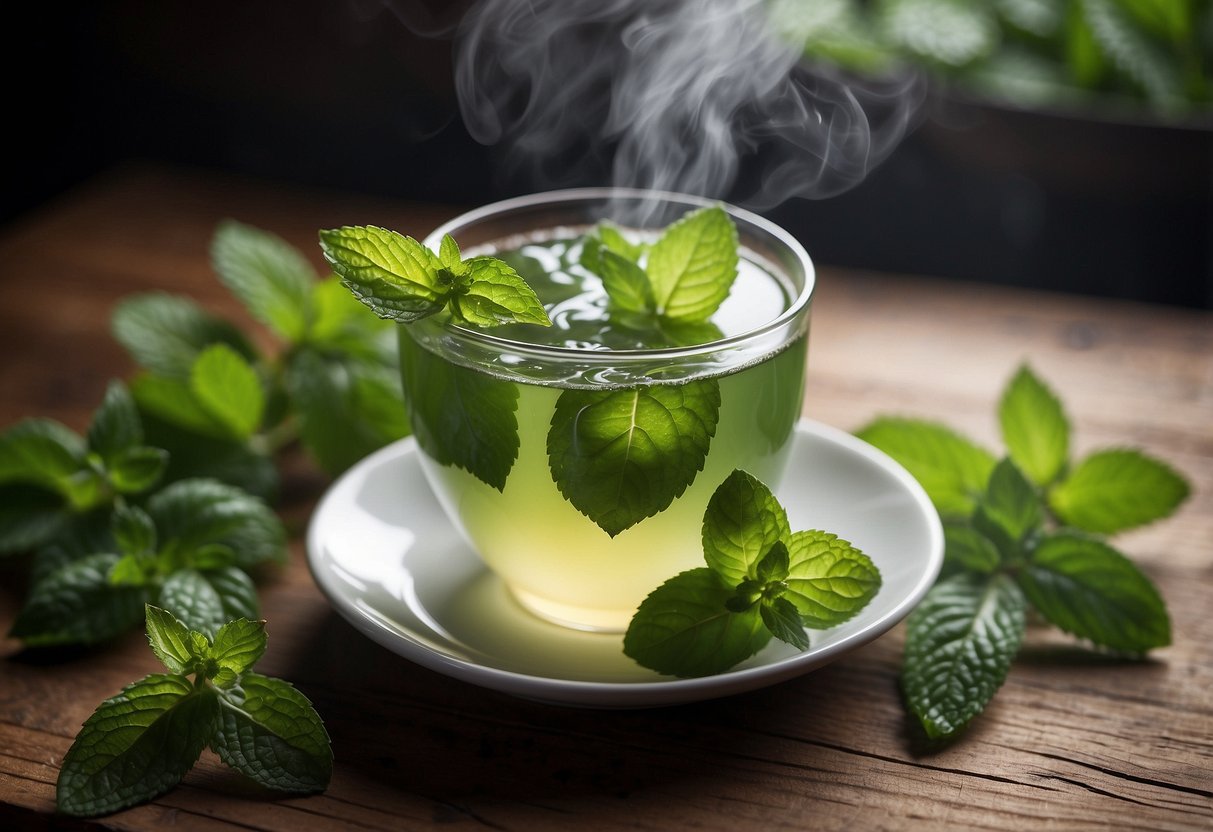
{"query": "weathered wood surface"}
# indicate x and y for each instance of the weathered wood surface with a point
(1073, 741)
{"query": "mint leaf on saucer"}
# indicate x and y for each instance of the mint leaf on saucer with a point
(226, 386)
(620, 456)
(959, 645)
(269, 276)
(693, 265)
(1087, 588)
(1117, 489)
(165, 333)
(1034, 427)
(684, 628)
(742, 522)
(828, 581)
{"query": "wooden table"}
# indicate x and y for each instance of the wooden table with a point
(1073, 740)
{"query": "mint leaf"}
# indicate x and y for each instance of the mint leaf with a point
(626, 284)
(29, 517)
(115, 426)
(449, 254)
(780, 617)
(228, 389)
(953, 33)
(340, 320)
(133, 570)
(346, 410)
(135, 470)
(170, 640)
(267, 274)
(693, 265)
(192, 456)
(742, 522)
(1087, 588)
(829, 580)
(964, 547)
(396, 276)
(951, 469)
(76, 604)
(606, 237)
(774, 564)
(459, 416)
(165, 333)
(270, 732)
(496, 295)
(133, 530)
(620, 456)
(41, 452)
(136, 745)
(172, 400)
(205, 601)
(1117, 489)
(959, 645)
(683, 627)
(191, 514)
(1035, 428)
(80, 536)
(239, 644)
(1012, 502)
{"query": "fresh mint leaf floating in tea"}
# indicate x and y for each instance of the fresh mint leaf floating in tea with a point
(140, 743)
(1006, 547)
(402, 280)
(761, 580)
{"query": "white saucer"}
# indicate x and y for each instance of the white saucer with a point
(381, 549)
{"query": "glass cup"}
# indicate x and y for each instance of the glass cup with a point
(496, 417)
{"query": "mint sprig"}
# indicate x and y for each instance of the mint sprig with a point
(1023, 533)
(138, 744)
(762, 580)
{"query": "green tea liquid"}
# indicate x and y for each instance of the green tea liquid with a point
(555, 560)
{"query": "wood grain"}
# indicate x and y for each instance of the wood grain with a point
(1074, 740)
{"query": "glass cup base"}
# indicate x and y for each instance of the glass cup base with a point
(588, 619)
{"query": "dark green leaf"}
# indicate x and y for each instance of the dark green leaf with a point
(227, 388)
(1117, 489)
(781, 618)
(1035, 428)
(742, 522)
(30, 516)
(1149, 66)
(239, 644)
(396, 276)
(496, 295)
(137, 469)
(774, 564)
(459, 416)
(192, 456)
(693, 266)
(964, 547)
(76, 604)
(40, 452)
(1089, 589)
(620, 456)
(829, 580)
(951, 469)
(190, 514)
(86, 489)
(959, 645)
(170, 640)
(270, 732)
(116, 426)
(205, 601)
(135, 746)
(133, 530)
(165, 333)
(79, 536)
(683, 627)
(626, 284)
(1011, 502)
(269, 276)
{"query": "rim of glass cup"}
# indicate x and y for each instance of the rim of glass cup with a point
(554, 198)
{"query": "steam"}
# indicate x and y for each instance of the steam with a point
(697, 96)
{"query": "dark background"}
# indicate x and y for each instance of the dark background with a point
(344, 95)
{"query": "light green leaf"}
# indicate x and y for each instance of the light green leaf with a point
(86, 489)
(190, 514)
(964, 547)
(693, 265)
(683, 627)
(340, 319)
(30, 516)
(172, 400)
(626, 284)
(781, 618)
(1034, 427)
(613, 240)
(951, 469)
(1087, 588)
(133, 530)
(1117, 489)
(165, 333)
(495, 295)
(959, 645)
(268, 275)
(205, 601)
(137, 469)
(829, 580)
(239, 644)
(949, 32)
(620, 456)
(460, 417)
(270, 732)
(116, 426)
(40, 452)
(742, 522)
(448, 253)
(1011, 502)
(228, 389)
(76, 604)
(396, 276)
(170, 640)
(136, 746)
